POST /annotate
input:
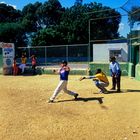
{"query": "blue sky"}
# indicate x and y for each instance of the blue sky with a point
(66, 3)
(124, 29)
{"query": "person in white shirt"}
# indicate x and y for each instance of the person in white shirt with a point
(115, 71)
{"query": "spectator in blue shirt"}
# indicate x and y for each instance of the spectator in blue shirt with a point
(115, 71)
(63, 72)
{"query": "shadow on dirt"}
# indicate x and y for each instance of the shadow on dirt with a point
(123, 91)
(99, 99)
(133, 90)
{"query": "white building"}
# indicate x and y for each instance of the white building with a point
(102, 52)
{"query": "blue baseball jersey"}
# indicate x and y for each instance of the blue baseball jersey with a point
(63, 74)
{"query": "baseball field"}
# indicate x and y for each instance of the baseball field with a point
(26, 115)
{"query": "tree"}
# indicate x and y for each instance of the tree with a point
(105, 22)
(49, 13)
(134, 15)
(78, 2)
(12, 33)
(48, 36)
(74, 23)
(9, 14)
(50, 23)
(11, 29)
(40, 16)
(29, 20)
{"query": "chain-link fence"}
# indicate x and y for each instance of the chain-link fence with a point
(53, 55)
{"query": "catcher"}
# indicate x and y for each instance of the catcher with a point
(100, 80)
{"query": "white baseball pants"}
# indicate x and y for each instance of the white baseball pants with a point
(62, 86)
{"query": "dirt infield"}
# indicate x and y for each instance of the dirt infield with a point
(26, 115)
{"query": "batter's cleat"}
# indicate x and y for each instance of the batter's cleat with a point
(112, 89)
(75, 96)
(101, 91)
(106, 92)
(50, 101)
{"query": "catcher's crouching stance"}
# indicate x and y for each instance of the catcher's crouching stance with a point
(100, 80)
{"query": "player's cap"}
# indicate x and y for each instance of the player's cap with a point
(64, 62)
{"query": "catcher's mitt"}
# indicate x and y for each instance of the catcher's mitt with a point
(81, 78)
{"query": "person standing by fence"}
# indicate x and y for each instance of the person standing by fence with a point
(34, 62)
(15, 67)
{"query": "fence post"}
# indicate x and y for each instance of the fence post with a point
(67, 53)
(29, 51)
(89, 41)
(45, 55)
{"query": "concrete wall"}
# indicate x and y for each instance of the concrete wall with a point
(105, 68)
(137, 72)
(130, 69)
(101, 51)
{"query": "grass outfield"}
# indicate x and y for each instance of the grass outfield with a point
(26, 115)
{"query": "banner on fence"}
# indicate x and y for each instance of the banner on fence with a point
(8, 56)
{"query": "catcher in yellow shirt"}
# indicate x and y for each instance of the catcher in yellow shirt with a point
(100, 79)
